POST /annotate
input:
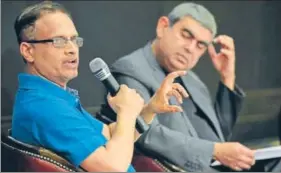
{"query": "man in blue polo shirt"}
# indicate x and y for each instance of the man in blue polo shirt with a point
(47, 113)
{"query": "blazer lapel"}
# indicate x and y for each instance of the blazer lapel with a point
(159, 76)
(202, 102)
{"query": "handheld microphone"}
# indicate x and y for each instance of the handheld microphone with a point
(102, 72)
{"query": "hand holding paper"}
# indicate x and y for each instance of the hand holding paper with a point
(234, 155)
(262, 154)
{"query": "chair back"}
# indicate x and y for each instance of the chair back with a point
(19, 156)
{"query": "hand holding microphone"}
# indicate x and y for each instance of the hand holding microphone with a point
(126, 102)
(123, 100)
(159, 102)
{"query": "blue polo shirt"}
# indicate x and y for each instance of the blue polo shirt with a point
(47, 115)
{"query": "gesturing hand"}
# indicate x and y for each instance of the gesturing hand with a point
(159, 103)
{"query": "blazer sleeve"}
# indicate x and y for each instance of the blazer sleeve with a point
(190, 153)
(227, 106)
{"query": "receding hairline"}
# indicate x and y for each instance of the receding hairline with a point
(25, 22)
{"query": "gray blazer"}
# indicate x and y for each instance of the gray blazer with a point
(172, 135)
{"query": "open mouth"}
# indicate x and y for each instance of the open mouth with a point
(72, 61)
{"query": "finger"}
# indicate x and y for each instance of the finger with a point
(248, 152)
(172, 108)
(235, 167)
(141, 100)
(225, 41)
(170, 78)
(181, 89)
(133, 91)
(218, 39)
(137, 94)
(247, 160)
(176, 94)
(122, 88)
(252, 155)
(248, 155)
(212, 51)
(243, 165)
(110, 100)
(228, 53)
(253, 162)
(229, 40)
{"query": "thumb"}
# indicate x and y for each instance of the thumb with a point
(172, 108)
(212, 51)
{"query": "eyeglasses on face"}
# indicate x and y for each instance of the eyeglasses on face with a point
(59, 42)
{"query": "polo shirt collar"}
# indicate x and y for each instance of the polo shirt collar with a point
(34, 82)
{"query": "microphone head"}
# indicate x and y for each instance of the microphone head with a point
(99, 68)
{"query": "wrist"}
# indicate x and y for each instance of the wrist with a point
(147, 109)
(229, 81)
(127, 115)
(147, 113)
(216, 150)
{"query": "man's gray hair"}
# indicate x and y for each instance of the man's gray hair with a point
(197, 12)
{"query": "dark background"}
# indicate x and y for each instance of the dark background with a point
(113, 29)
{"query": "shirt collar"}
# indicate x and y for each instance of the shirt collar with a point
(35, 82)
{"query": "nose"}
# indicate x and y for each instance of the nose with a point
(190, 46)
(71, 48)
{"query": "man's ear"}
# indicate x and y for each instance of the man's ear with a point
(27, 51)
(162, 24)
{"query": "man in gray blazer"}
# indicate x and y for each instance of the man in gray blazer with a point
(196, 137)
